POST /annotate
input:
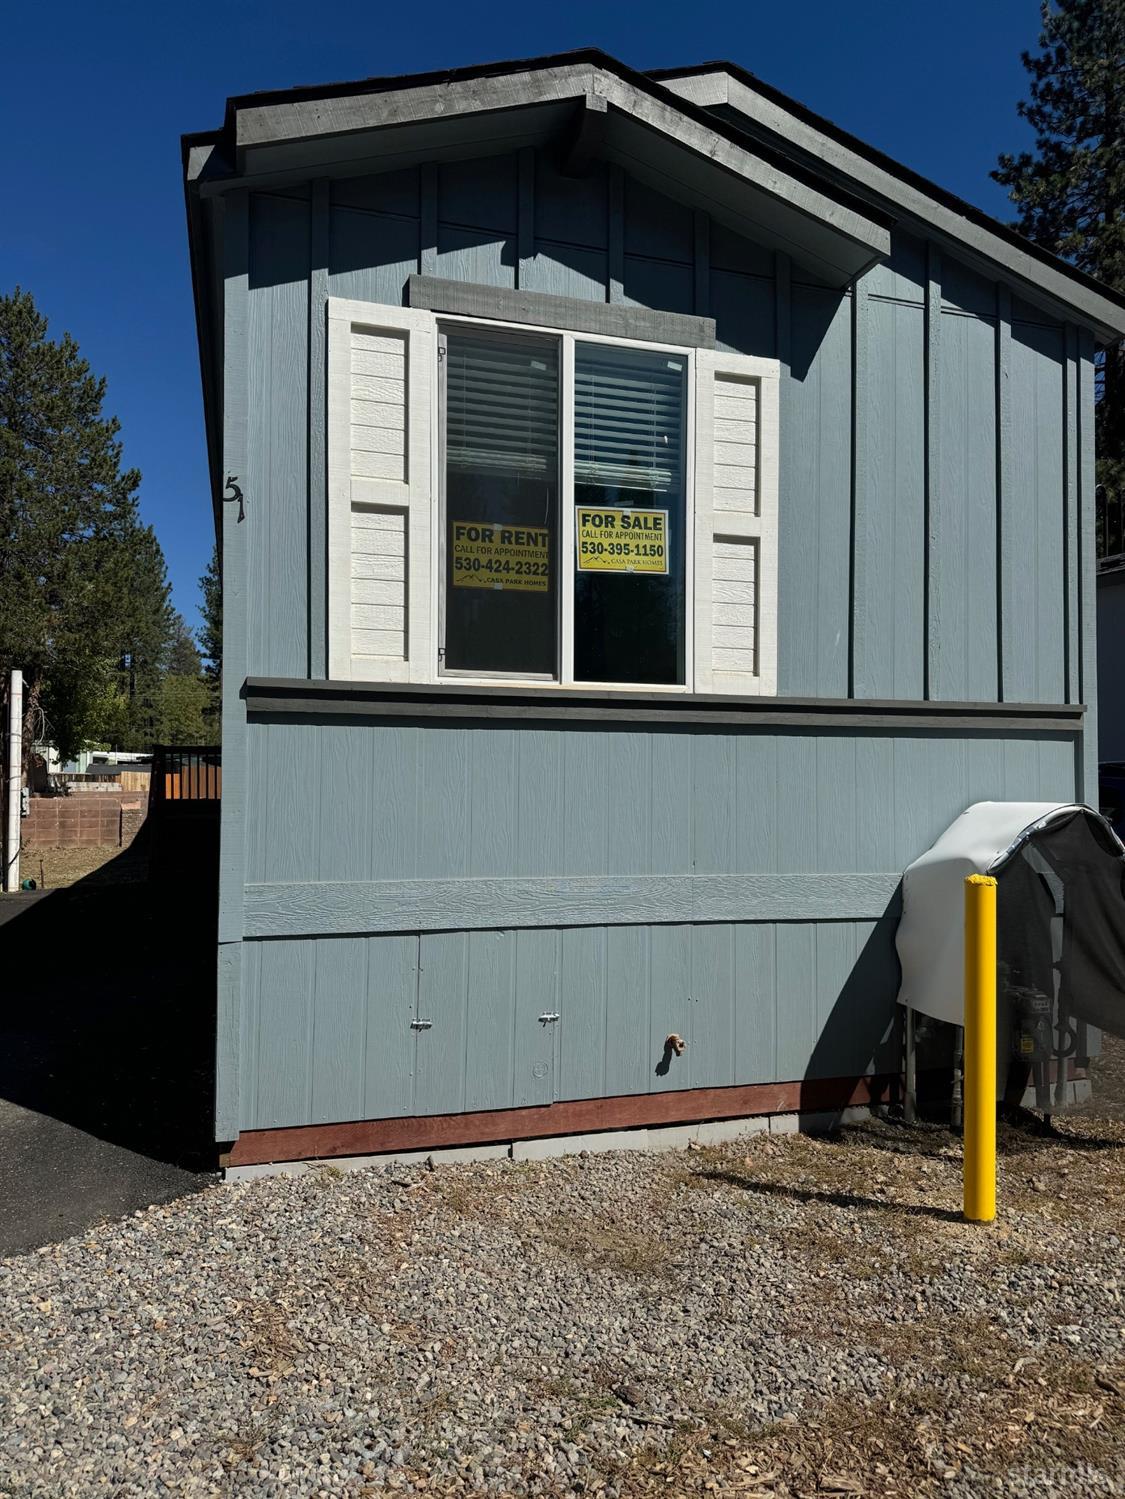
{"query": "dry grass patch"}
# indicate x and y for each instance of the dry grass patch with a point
(606, 1243)
(478, 1192)
(52, 868)
(845, 1170)
(269, 1338)
(906, 1444)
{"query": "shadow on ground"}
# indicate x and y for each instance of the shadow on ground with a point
(107, 1023)
(807, 1195)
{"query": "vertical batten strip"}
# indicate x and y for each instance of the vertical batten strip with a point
(702, 260)
(782, 313)
(858, 683)
(1007, 530)
(525, 217)
(932, 589)
(1071, 459)
(319, 231)
(427, 218)
(783, 334)
(235, 229)
(1087, 569)
(615, 288)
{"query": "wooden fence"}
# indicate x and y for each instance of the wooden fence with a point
(182, 773)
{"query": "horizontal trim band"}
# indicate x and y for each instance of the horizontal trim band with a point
(327, 908)
(304, 1142)
(568, 314)
(268, 697)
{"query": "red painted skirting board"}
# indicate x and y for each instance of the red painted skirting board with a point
(436, 1131)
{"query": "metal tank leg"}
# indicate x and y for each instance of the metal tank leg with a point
(910, 1069)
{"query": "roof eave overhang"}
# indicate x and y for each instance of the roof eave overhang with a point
(200, 156)
(660, 140)
(916, 204)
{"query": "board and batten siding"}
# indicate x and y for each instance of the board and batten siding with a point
(326, 1033)
(934, 542)
(931, 472)
(440, 816)
(377, 800)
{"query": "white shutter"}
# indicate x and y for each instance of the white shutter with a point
(736, 435)
(381, 382)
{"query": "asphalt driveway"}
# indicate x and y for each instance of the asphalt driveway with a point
(106, 1035)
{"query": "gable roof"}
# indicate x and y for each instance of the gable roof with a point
(669, 142)
(713, 134)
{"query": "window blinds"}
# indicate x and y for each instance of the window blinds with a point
(502, 405)
(628, 418)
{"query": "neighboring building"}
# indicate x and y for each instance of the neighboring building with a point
(661, 515)
(1111, 638)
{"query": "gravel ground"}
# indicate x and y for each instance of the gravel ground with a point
(786, 1316)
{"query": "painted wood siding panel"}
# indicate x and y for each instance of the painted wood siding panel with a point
(853, 596)
(963, 580)
(814, 506)
(370, 255)
(628, 1061)
(570, 233)
(1035, 516)
(441, 1081)
(891, 510)
(283, 1075)
(477, 219)
(567, 271)
(378, 570)
(328, 1032)
(326, 1021)
(396, 801)
(744, 311)
(276, 480)
(756, 1001)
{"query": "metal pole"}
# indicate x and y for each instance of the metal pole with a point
(15, 781)
(957, 1096)
(910, 1084)
(979, 1147)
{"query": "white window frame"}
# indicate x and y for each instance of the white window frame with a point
(425, 635)
(567, 342)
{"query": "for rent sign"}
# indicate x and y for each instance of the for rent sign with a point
(501, 557)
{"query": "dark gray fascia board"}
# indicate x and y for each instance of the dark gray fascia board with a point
(269, 697)
(589, 57)
(204, 243)
(771, 117)
(570, 314)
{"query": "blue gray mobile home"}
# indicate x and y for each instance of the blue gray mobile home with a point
(648, 517)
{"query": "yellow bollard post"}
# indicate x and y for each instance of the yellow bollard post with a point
(980, 1049)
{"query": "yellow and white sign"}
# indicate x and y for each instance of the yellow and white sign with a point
(512, 558)
(621, 541)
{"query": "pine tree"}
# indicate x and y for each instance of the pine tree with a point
(184, 701)
(211, 641)
(1070, 191)
(82, 583)
(145, 647)
(211, 635)
(182, 656)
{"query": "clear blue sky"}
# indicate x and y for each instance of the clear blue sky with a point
(96, 95)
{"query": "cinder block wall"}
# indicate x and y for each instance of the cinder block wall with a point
(100, 819)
